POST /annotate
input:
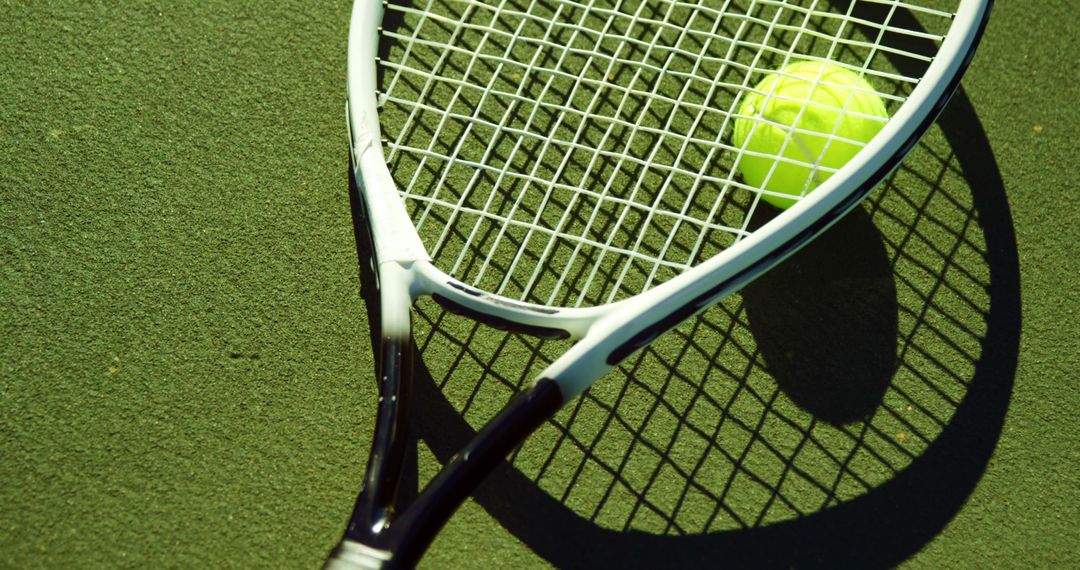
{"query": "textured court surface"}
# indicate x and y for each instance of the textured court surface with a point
(185, 363)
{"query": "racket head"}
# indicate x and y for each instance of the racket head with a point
(513, 210)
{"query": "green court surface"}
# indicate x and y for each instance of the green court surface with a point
(186, 377)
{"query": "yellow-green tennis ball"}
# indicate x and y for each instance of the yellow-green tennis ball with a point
(833, 102)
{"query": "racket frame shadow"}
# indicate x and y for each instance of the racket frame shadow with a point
(608, 333)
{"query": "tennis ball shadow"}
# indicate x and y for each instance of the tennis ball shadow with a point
(826, 320)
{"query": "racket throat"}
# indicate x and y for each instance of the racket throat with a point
(375, 506)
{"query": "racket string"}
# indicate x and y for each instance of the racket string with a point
(574, 153)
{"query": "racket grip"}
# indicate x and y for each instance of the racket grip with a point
(352, 555)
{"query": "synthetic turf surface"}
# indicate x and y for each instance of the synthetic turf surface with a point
(186, 374)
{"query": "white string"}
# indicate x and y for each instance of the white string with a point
(574, 153)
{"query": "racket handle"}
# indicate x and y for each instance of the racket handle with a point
(351, 555)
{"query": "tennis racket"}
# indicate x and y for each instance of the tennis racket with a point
(567, 169)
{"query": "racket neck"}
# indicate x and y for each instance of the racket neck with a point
(375, 506)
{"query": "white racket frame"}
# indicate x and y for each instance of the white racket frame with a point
(406, 271)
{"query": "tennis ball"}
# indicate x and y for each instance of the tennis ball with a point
(813, 97)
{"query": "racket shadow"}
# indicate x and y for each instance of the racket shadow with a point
(712, 447)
